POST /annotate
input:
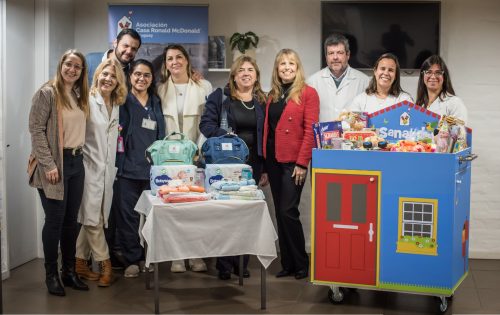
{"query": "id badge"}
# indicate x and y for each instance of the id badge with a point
(120, 145)
(148, 124)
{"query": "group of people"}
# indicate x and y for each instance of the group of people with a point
(88, 144)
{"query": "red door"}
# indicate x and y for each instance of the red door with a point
(345, 247)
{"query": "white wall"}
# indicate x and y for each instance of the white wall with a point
(61, 31)
(471, 44)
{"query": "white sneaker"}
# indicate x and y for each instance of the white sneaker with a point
(142, 266)
(197, 264)
(178, 266)
(131, 271)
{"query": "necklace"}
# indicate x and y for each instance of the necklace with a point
(285, 93)
(180, 88)
(245, 105)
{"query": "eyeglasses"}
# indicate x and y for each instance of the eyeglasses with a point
(75, 66)
(146, 76)
(437, 73)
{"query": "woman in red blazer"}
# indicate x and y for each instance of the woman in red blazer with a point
(291, 109)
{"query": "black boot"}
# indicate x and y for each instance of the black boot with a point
(52, 281)
(70, 279)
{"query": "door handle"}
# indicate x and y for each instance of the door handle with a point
(370, 233)
(345, 226)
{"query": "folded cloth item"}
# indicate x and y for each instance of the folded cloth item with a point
(232, 185)
(246, 182)
(186, 197)
(259, 195)
(248, 188)
(249, 193)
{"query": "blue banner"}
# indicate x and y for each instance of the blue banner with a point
(161, 25)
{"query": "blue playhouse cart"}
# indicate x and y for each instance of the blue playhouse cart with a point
(391, 221)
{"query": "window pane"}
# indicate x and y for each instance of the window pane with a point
(427, 217)
(408, 227)
(407, 207)
(426, 228)
(428, 208)
(417, 207)
(417, 217)
(407, 216)
(333, 200)
(359, 203)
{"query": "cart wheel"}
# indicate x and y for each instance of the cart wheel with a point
(336, 297)
(443, 306)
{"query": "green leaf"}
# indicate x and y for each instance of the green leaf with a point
(244, 41)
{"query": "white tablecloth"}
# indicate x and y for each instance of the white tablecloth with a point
(206, 229)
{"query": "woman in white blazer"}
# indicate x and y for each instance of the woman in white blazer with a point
(183, 99)
(108, 91)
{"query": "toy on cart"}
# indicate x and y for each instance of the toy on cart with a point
(392, 221)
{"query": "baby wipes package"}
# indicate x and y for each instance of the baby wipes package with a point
(163, 174)
(218, 172)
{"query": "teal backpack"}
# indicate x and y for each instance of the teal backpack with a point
(171, 151)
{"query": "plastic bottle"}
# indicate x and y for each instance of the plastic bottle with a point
(199, 177)
(224, 123)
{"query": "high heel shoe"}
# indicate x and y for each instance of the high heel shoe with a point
(70, 279)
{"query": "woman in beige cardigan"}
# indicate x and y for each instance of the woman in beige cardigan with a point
(183, 99)
(57, 123)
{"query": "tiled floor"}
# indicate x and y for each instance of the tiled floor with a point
(24, 292)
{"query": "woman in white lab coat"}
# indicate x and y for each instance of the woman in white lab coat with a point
(435, 91)
(384, 89)
(108, 91)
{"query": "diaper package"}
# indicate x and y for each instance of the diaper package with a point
(229, 172)
(164, 174)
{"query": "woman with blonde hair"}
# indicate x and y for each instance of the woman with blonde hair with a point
(242, 100)
(108, 92)
(291, 109)
(57, 122)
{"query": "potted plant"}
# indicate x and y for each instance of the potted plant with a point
(242, 43)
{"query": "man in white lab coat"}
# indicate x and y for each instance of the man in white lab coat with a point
(337, 84)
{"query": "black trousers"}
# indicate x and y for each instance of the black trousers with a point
(286, 196)
(127, 220)
(61, 224)
(228, 263)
